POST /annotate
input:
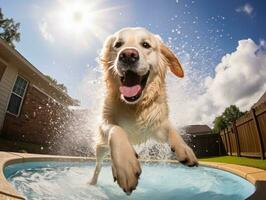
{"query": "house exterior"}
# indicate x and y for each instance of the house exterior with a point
(197, 129)
(261, 100)
(203, 142)
(32, 108)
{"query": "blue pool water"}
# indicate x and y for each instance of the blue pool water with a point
(68, 181)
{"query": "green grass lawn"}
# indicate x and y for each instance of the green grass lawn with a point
(238, 160)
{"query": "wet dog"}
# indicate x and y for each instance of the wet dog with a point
(135, 108)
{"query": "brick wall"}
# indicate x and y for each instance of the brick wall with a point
(41, 121)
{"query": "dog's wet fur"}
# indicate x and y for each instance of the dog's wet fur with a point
(135, 109)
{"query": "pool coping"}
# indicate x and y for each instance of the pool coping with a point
(8, 192)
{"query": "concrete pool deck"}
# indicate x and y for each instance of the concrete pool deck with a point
(8, 192)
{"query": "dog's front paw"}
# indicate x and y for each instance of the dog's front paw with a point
(185, 155)
(126, 168)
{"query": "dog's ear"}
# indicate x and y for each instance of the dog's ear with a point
(109, 41)
(172, 61)
(105, 52)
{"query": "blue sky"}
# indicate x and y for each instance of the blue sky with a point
(200, 32)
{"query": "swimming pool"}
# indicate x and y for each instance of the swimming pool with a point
(66, 180)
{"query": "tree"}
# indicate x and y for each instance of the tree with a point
(219, 124)
(230, 114)
(59, 85)
(9, 30)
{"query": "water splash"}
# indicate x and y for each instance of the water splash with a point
(199, 51)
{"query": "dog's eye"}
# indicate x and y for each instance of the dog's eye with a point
(146, 45)
(118, 44)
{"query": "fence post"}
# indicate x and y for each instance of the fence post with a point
(230, 147)
(220, 142)
(257, 128)
(226, 145)
(237, 139)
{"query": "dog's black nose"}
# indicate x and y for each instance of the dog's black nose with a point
(129, 56)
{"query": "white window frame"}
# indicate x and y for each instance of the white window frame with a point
(22, 97)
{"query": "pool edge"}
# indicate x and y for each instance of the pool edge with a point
(7, 191)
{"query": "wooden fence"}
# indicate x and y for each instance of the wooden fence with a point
(247, 136)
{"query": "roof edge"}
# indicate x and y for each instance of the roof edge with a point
(16, 53)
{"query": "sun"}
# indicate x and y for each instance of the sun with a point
(82, 20)
(77, 17)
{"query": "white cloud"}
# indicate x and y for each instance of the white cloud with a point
(44, 29)
(247, 9)
(240, 78)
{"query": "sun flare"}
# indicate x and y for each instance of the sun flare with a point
(77, 17)
(81, 20)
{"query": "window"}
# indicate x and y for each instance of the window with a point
(17, 95)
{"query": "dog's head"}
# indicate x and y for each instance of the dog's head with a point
(135, 62)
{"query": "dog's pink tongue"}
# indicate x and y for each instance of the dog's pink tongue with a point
(130, 91)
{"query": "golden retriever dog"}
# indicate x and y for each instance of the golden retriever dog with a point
(135, 108)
